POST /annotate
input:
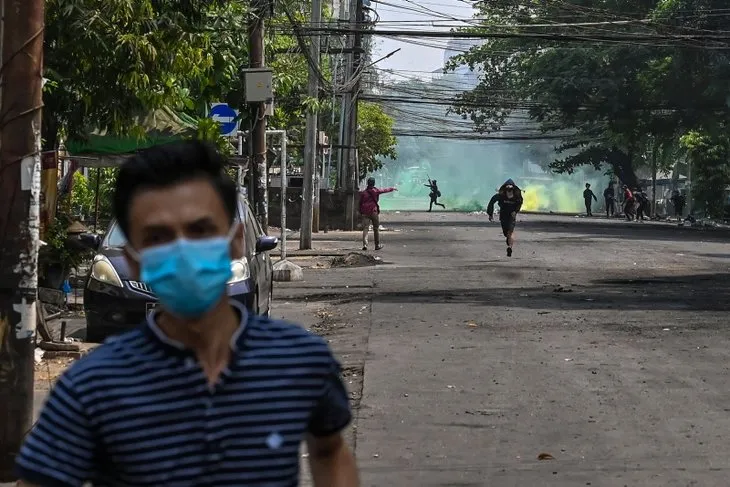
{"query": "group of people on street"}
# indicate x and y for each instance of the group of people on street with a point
(508, 198)
(635, 206)
(636, 203)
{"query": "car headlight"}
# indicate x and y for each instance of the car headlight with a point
(103, 271)
(240, 271)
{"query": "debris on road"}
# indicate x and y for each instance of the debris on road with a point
(354, 259)
(561, 289)
(545, 456)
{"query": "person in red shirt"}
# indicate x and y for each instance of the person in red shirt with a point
(629, 203)
(370, 212)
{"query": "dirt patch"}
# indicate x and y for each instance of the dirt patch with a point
(48, 371)
(354, 259)
(345, 328)
(327, 322)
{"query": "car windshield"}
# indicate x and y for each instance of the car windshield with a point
(115, 237)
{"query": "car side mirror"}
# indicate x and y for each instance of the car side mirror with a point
(266, 243)
(91, 240)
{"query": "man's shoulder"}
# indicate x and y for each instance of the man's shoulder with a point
(117, 352)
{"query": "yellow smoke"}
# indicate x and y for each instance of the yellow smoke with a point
(558, 197)
(531, 197)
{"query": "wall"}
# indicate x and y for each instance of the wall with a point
(331, 213)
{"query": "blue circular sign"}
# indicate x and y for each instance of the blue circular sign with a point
(226, 117)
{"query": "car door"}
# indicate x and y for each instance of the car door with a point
(258, 262)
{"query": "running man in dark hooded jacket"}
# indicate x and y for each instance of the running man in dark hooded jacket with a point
(509, 199)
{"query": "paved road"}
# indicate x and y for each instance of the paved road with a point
(602, 344)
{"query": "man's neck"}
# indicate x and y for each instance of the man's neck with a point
(209, 337)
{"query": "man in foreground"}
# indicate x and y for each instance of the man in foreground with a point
(203, 393)
(509, 198)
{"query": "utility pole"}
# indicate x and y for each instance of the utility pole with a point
(21, 82)
(353, 179)
(310, 141)
(345, 100)
(258, 118)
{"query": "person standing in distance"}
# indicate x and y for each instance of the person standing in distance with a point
(588, 198)
(370, 211)
(609, 196)
(509, 198)
(203, 392)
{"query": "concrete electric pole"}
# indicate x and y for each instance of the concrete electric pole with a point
(311, 137)
(352, 179)
(258, 165)
(21, 82)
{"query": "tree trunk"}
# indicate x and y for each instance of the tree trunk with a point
(49, 133)
(623, 168)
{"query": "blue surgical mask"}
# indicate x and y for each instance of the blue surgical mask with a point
(189, 277)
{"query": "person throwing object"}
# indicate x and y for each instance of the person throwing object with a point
(370, 212)
(509, 198)
(435, 194)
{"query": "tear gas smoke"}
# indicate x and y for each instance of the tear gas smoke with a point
(470, 172)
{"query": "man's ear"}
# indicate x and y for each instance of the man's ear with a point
(132, 263)
(238, 243)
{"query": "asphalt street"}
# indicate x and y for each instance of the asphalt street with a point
(596, 355)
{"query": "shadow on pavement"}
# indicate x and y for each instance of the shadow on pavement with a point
(595, 228)
(702, 292)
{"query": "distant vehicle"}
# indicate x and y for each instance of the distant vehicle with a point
(114, 302)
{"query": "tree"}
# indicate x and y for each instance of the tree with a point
(83, 196)
(593, 95)
(375, 136)
(709, 156)
(109, 63)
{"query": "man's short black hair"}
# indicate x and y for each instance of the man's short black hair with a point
(166, 165)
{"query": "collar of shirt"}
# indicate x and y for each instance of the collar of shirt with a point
(161, 337)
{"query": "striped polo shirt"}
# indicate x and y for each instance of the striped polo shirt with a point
(138, 411)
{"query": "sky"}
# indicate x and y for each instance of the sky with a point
(418, 15)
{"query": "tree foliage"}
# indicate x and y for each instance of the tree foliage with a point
(709, 156)
(611, 101)
(376, 141)
(109, 63)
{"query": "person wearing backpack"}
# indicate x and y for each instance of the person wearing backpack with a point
(435, 194)
(370, 211)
